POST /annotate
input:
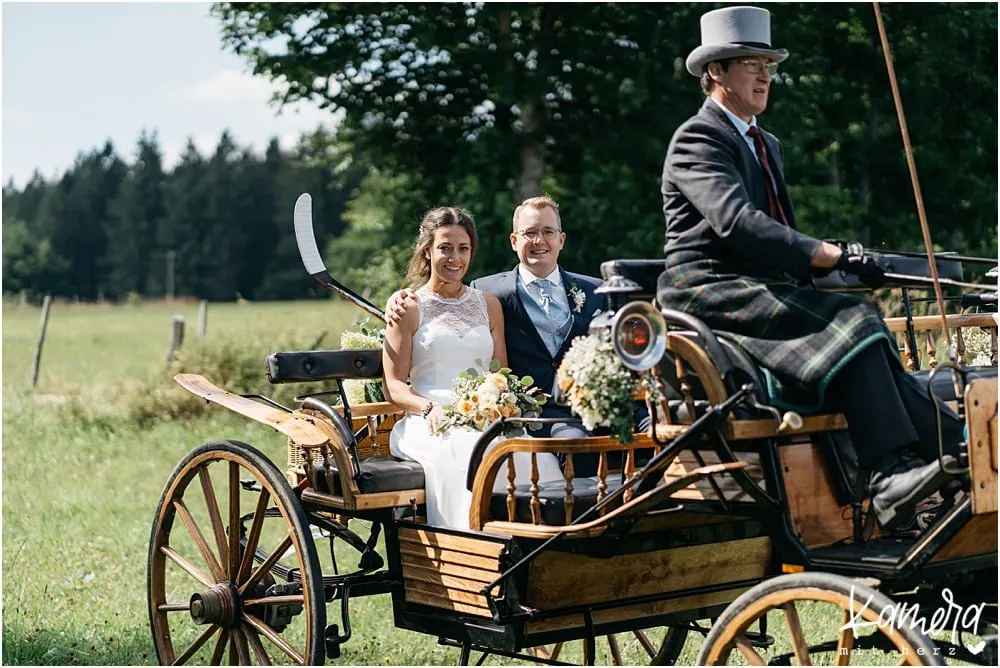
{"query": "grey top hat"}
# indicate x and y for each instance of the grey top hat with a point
(733, 31)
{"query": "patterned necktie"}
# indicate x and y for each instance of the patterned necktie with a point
(557, 323)
(544, 286)
(772, 197)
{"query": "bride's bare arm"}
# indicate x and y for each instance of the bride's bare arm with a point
(396, 357)
(495, 312)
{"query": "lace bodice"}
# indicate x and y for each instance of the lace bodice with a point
(452, 335)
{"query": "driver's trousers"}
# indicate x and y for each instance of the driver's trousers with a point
(888, 410)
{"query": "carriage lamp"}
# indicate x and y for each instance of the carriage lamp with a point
(639, 336)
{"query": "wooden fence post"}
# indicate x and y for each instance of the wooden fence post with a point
(202, 318)
(46, 307)
(176, 337)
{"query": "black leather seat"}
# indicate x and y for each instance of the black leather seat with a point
(644, 272)
(944, 388)
(552, 497)
(378, 474)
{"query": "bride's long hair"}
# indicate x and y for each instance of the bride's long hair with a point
(419, 270)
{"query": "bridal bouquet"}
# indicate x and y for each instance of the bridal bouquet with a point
(598, 385)
(482, 397)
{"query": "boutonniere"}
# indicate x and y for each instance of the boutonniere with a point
(578, 297)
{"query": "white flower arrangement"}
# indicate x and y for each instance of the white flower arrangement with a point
(599, 387)
(978, 346)
(367, 335)
(577, 296)
(481, 397)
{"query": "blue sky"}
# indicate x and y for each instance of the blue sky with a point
(76, 74)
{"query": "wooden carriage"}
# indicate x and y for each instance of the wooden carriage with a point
(723, 511)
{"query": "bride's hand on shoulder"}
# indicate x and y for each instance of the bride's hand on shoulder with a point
(398, 304)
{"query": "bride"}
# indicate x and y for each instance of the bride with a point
(446, 330)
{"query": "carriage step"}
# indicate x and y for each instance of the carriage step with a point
(332, 638)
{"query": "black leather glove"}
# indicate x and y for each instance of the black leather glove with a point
(863, 266)
(823, 272)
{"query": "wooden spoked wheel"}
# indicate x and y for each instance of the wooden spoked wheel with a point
(655, 647)
(820, 619)
(233, 574)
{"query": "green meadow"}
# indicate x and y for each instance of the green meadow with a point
(81, 479)
(86, 455)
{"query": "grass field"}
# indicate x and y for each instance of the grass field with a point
(81, 482)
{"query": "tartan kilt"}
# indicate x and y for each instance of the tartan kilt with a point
(799, 336)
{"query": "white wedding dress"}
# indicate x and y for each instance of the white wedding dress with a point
(452, 335)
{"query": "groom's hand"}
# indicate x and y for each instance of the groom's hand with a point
(396, 306)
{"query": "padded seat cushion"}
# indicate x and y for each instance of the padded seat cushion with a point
(378, 474)
(944, 389)
(552, 497)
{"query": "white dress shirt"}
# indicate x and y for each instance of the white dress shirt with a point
(743, 127)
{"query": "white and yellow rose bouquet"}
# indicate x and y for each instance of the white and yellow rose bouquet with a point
(484, 396)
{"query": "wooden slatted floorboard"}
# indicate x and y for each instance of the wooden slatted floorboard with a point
(447, 571)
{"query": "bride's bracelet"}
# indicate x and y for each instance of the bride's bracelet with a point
(426, 410)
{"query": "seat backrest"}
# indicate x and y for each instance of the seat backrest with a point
(744, 371)
(644, 272)
(314, 365)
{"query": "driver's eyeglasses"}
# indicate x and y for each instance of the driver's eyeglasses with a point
(547, 233)
(755, 66)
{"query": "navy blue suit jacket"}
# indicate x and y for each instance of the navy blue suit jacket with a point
(526, 352)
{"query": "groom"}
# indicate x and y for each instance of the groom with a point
(544, 307)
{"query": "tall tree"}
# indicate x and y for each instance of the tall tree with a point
(481, 104)
(25, 205)
(182, 236)
(256, 208)
(135, 215)
(29, 263)
(73, 216)
(430, 79)
(218, 259)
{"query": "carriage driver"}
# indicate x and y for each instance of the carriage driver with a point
(735, 259)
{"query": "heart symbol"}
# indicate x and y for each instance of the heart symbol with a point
(977, 648)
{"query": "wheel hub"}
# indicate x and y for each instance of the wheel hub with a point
(218, 605)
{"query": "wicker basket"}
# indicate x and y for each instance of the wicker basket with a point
(380, 417)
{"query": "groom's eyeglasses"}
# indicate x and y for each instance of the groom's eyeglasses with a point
(547, 233)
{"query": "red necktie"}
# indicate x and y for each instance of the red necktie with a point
(772, 197)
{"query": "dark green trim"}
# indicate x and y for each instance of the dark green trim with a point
(772, 385)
